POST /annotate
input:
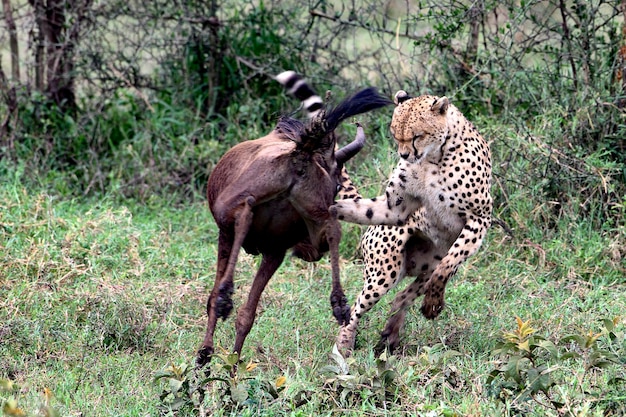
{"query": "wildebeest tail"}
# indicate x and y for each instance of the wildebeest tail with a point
(316, 133)
(362, 102)
(298, 87)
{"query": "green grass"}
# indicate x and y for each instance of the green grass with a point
(97, 297)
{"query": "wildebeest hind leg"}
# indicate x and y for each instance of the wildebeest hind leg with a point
(220, 301)
(243, 220)
(247, 313)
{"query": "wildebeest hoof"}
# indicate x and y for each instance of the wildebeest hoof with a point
(204, 356)
(341, 310)
(224, 303)
(380, 347)
(342, 314)
(432, 307)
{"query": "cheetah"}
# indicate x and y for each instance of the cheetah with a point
(434, 214)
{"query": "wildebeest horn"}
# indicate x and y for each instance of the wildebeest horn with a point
(352, 148)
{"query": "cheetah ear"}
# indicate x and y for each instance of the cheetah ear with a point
(441, 105)
(400, 97)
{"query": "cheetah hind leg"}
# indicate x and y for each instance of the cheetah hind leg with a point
(464, 246)
(422, 258)
(390, 336)
(378, 278)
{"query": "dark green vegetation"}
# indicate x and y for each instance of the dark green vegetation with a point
(107, 248)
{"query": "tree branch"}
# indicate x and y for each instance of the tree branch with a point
(567, 38)
(366, 26)
(15, 55)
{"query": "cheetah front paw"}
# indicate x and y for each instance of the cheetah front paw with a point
(345, 341)
(343, 210)
(432, 307)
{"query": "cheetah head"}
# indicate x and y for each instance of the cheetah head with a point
(419, 126)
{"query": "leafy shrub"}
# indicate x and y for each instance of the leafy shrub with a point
(233, 386)
(531, 368)
(348, 388)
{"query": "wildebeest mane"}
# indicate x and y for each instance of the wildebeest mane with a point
(290, 128)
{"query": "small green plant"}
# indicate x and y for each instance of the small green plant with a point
(530, 367)
(349, 388)
(525, 371)
(239, 386)
(186, 387)
(435, 361)
(9, 392)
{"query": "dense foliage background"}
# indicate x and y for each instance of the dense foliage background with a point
(117, 104)
(141, 98)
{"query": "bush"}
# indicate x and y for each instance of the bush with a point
(538, 77)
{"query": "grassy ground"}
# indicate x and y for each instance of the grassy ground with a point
(98, 298)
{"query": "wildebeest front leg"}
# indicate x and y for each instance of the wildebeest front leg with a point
(220, 302)
(338, 300)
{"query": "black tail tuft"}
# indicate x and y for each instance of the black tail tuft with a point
(362, 102)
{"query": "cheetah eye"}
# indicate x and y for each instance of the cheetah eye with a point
(418, 136)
